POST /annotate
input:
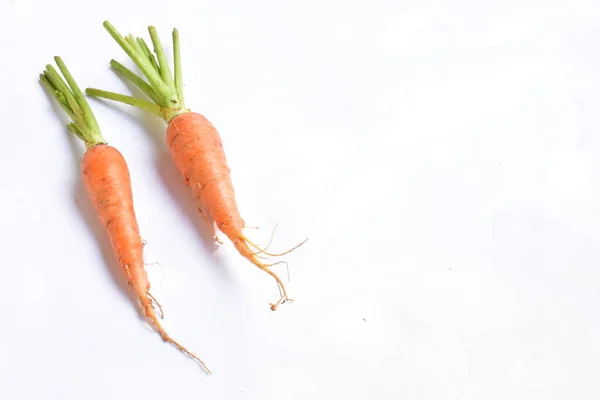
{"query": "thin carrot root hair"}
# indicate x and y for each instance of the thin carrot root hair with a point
(160, 309)
(245, 246)
(264, 250)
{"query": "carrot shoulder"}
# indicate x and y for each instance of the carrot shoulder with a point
(195, 144)
(107, 181)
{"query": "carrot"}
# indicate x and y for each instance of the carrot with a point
(107, 182)
(195, 144)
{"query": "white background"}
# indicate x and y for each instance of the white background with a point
(442, 157)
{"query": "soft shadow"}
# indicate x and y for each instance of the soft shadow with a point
(171, 178)
(87, 212)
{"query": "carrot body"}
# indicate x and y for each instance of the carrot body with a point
(197, 150)
(106, 178)
(198, 153)
(108, 184)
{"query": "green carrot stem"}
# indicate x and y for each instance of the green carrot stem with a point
(165, 94)
(177, 66)
(73, 102)
(58, 95)
(162, 87)
(136, 80)
(132, 101)
(72, 127)
(62, 88)
(88, 115)
(165, 72)
(148, 53)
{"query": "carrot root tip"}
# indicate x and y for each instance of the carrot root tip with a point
(153, 320)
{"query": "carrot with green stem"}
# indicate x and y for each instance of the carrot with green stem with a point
(107, 182)
(195, 144)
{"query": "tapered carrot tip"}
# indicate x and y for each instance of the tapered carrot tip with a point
(147, 302)
(153, 320)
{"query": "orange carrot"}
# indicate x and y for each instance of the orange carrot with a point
(195, 144)
(197, 150)
(107, 182)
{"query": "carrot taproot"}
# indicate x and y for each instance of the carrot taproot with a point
(195, 144)
(108, 184)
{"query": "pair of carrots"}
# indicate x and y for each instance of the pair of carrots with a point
(196, 149)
